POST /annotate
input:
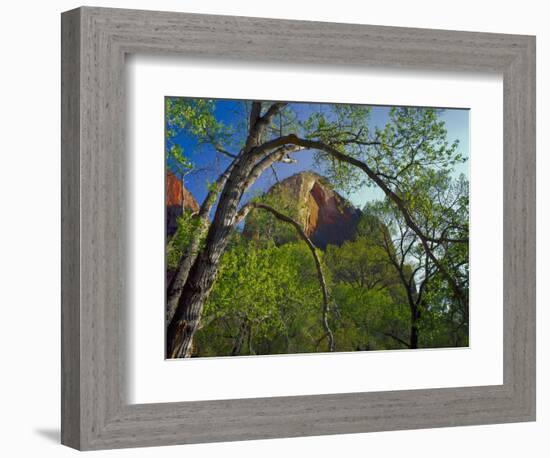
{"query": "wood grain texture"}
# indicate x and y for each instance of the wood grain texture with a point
(95, 411)
(70, 229)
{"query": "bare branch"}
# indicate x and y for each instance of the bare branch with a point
(326, 307)
(274, 173)
(223, 151)
(396, 338)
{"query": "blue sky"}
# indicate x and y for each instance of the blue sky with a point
(209, 164)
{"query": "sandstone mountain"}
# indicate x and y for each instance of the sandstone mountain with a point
(327, 218)
(178, 199)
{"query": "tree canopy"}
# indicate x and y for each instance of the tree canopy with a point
(401, 281)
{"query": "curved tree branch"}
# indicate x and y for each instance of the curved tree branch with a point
(292, 139)
(278, 155)
(326, 307)
(274, 109)
(313, 144)
(397, 339)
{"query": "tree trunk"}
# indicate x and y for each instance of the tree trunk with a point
(186, 317)
(175, 287)
(238, 345)
(189, 256)
(414, 331)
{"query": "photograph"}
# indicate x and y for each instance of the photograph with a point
(306, 227)
(275, 229)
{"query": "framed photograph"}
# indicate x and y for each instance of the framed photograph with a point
(279, 228)
(323, 248)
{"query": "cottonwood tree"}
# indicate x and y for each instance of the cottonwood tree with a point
(440, 206)
(412, 144)
(413, 267)
(266, 300)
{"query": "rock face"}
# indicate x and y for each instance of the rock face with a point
(178, 199)
(327, 218)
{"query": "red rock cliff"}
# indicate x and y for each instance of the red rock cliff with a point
(178, 198)
(327, 218)
(177, 194)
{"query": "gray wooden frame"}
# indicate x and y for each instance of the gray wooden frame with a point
(95, 413)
